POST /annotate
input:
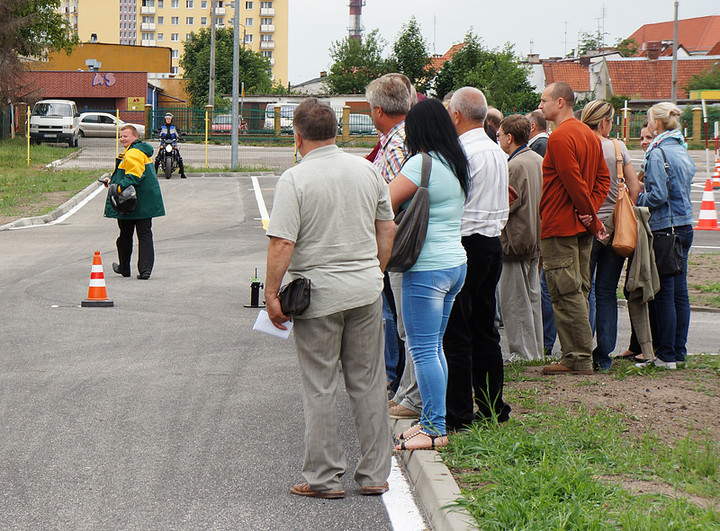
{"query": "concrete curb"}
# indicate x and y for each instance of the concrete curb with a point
(622, 303)
(434, 486)
(66, 207)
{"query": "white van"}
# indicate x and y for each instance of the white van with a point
(286, 114)
(54, 121)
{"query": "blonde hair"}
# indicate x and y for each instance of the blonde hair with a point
(666, 113)
(595, 112)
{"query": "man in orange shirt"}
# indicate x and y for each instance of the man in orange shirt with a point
(575, 183)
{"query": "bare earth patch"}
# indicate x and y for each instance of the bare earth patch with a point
(669, 404)
(41, 204)
(704, 270)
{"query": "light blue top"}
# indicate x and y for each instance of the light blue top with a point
(667, 194)
(443, 248)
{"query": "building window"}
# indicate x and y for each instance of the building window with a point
(174, 37)
(203, 21)
(161, 3)
(161, 20)
(175, 54)
(219, 21)
(188, 36)
(248, 39)
(248, 5)
(203, 4)
(265, 5)
(189, 4)
(174, 21)
(266, 38)
(189, 21)
(174, 70)
(266, 21)
(160, 37)
(148, 20)
(148, 3)
(267, 54)
(175, 4)
(248, 21)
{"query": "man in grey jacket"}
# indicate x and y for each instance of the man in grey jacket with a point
(520, 280)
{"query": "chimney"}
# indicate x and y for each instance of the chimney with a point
(533, 58)
(323, 73)
(653, 50)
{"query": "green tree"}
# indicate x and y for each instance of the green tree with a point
(29, 28)
(356, 62)
(255, 70)
(627, 47)
(710, 79)
(498, 73)
(410, 56)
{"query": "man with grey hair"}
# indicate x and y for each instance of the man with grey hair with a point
(472, 341)
(538, 132)
(343, 322)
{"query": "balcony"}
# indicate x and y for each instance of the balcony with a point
(267, 45)
(267, 28)
(269, 11)
(219, 10)
(147, 10)
(147, 26)
(147, 42)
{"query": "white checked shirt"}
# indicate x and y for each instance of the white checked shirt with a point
(487, 204)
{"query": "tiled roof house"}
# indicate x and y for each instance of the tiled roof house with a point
(698, 35)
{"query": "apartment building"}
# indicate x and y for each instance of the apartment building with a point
(264, 25)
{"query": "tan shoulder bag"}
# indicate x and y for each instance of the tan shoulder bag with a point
(625, 234)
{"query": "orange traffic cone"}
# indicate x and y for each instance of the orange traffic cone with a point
(716, 175)
(97, 295)
(708, 217)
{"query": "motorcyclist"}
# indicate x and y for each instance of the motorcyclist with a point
(169, 133)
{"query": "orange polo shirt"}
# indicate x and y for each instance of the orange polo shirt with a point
(575, 180)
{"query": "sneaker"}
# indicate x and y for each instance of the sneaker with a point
(669, 365)
(401, 412)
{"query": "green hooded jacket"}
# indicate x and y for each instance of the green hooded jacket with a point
(135, 167)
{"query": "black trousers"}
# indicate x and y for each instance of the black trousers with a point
(124, 243)
(472, 342)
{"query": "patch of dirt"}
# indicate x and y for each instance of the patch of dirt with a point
(638, 486)
(704, 270)
(669, 404)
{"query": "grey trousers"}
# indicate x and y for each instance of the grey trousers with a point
(520, 304)
(354, 338)
(408, 392)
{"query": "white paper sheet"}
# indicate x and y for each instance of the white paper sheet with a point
(264, 324)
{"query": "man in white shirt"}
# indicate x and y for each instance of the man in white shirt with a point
(472, 341)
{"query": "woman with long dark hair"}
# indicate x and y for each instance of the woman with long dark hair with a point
(430, 285)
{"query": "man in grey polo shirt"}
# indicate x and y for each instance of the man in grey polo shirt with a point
(332, 222)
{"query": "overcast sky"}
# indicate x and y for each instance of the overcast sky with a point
(316, 24)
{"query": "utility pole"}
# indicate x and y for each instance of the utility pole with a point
(674, 59)
(211, 87)
(235, 86)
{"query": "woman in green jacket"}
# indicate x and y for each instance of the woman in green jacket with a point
(135, 167)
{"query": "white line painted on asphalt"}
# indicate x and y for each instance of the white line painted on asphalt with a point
(68, 213)
(399, 502)
(260, 202)
(705, 247)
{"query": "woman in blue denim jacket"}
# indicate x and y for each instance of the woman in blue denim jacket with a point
(667, 195)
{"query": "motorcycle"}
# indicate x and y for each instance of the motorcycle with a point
(168, 157)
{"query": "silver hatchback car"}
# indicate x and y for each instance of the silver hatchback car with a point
(103, 124)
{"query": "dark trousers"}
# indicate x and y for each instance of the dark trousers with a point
(124, 243)
(472, 342)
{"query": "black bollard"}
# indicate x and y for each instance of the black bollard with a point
(255, 287)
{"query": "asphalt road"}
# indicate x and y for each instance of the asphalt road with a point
(166, 411)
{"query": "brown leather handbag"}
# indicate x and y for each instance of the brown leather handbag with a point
(625, 234)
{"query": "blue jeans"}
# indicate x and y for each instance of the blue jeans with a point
(549, 331)
(606, 268)
(392, 350)
(427, 298)
(672, 308)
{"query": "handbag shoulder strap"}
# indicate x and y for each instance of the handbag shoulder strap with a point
(425, 170)
(618, 160)
(667, 172)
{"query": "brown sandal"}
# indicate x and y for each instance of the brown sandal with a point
(433, 444)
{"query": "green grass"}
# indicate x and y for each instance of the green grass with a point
(565, 467)
(33, 190)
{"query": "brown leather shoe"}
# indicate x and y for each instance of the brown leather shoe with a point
(401, 412)
(303, 489)
(375, 490)
(559, 368)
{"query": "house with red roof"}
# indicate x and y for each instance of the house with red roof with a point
(697, 35)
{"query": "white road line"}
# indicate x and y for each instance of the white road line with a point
(68, 213)
(705, 247)
(400, 504)
(265, 217)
